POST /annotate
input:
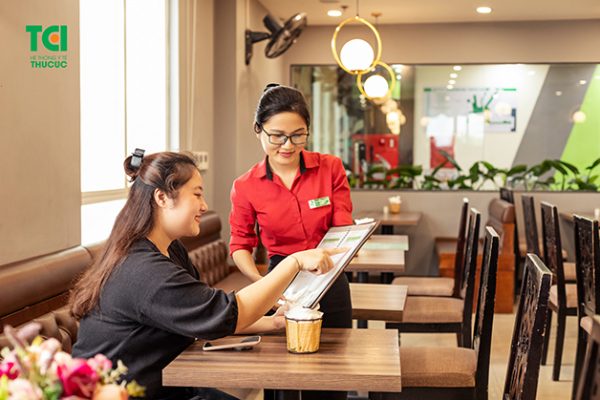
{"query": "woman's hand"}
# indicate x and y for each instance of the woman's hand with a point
(317, 261)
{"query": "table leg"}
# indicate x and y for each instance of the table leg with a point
(362, 277)
(387, 277)
(284, 394)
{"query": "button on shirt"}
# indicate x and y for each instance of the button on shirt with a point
(290, 220)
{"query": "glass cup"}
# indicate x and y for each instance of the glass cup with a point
(303, 335)
(394, 207)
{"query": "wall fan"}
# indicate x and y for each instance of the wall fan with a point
(280, 37)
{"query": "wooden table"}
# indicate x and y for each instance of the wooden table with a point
(389, 219)
(375, 257)
(377, 302)
(348, 359)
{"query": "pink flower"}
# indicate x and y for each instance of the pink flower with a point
(77, 378)
(10, 369)
(22, 389)
(100, 363)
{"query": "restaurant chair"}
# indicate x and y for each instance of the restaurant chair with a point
(587, 256)
(428, 314)
(441, 286)
(588, 384)
(563, 296)
(532, 239)
(456, 372)
(530, 320)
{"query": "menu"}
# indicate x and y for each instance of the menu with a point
(307, 289)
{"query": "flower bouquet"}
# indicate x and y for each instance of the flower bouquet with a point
(37, 369)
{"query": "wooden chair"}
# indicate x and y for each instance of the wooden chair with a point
(588, 384)
(587, 256)
(428, 314)
(456, 372)
(526, 347)
(441, 286)
(532, 238)
(563, 297)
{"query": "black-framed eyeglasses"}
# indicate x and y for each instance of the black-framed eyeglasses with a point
(280, 139)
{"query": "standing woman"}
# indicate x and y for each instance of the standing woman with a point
(142, 301)
(294, 195)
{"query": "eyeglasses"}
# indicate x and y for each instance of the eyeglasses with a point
(280, 139)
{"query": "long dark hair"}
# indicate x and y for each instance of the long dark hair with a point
(277, 99)
(165, 171)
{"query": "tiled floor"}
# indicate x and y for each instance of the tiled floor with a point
(501, 338)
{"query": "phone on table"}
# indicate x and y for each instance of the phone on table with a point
(241, 343)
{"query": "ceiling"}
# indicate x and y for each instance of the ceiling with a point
(437, 11)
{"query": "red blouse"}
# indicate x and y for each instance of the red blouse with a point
(290, 220)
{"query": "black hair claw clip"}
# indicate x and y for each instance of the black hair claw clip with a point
(136, 158)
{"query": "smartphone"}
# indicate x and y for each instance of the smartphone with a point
(241, 343)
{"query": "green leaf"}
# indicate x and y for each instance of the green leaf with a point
(594, 165)
(450, 159)
(570, 166)
(517, 169)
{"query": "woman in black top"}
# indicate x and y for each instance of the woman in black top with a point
(142, 301)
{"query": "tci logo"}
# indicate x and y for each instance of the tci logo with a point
(54, 37)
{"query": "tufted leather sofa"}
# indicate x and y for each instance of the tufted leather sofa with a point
(37, 289)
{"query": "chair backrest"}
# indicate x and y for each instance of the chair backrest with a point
(587, 261)
(527, 341)
(553, 250)
(484, 314)
(460, 248)
(531, 231)
(501, 217)
(588, 387)
(469, 269)
(508, 195)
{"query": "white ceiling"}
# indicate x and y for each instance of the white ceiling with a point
(437, 11)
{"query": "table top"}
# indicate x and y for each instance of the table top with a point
(401, 219)
(379, 259)
(378, 302)
(348, 359)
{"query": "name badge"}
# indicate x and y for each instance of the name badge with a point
(320, 202)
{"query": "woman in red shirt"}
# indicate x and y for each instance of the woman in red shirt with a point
(294, 195)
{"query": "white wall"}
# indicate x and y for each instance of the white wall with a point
(39, 135)
(237, 88)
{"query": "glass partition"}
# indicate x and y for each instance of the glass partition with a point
(461, 126)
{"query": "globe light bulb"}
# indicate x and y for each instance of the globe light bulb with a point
(357, 55)
(579, 117)
(376, 86)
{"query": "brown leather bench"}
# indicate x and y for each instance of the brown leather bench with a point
(501, 217)
(37, 289)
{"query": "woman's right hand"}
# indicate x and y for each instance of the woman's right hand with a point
(317, 261)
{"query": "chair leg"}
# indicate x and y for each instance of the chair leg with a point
(466, 336)
(547, 336)
(579, 357)
(459, 339)
(560, 340)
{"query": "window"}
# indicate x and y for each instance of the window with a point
(125, 66)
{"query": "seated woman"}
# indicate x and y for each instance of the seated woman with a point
(142, 301)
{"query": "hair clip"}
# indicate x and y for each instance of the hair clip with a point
(136, 158)
(270, 85)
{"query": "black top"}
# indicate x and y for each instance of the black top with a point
(150, 310)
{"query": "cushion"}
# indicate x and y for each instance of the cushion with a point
(420, 309)
(586, 324)
(571, 291)
(426, 286)
(438, 366)
(233, 282)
